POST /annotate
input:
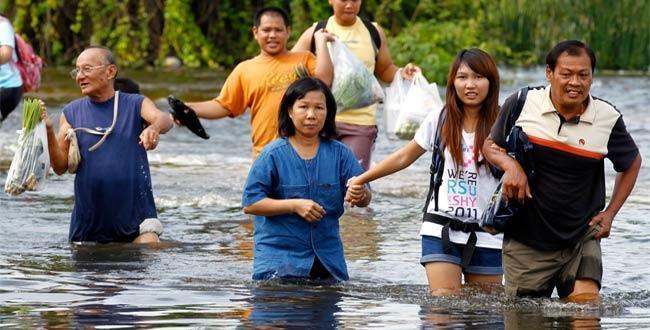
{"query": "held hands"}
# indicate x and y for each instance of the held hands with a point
(149, 138)
(409, 71)
(308, 209)
(357, 194)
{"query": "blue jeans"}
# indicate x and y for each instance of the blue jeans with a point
(485, 261)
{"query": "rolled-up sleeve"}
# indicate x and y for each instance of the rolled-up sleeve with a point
(260, 181)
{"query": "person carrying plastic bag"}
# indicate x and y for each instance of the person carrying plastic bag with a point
(407, 104)
(357, 128)
(31, 161)
(353, 86)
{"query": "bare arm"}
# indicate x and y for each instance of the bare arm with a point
(622, 188)
(359, 195)
(210, 109)
(324, 69)
(160, 123)
(385, 69)
(6, 52)
(304, 42)
(306, 208)
(396, 161)
(515, 181)
(57, 145)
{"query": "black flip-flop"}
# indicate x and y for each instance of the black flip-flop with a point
(186, 116)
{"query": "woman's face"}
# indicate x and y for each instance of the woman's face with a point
(346, 11)
(472, 88)
(308, 114)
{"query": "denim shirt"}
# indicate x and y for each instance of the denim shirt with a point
(286, 245)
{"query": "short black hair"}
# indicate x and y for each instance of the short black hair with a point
(271, 9)
(573, 48)
(126, 85)
(296, 91)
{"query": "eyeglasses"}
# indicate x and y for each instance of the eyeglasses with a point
(86, 70)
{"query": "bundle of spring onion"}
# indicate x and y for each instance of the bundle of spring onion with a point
(353, 86)
(31, 160)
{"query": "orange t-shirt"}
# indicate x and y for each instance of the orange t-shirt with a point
(259, 84)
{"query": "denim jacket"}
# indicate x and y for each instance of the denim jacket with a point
(286, 245)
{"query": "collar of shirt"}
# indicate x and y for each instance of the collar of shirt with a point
(587, 116)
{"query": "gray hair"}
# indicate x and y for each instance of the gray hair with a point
(109, 58)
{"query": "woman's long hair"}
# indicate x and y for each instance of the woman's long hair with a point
(451, 135)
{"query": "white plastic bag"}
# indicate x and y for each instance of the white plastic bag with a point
(353, 86)
(420, 99)
(31, 162)
(395, 96)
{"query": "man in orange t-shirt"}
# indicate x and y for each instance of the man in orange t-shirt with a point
(259, 83)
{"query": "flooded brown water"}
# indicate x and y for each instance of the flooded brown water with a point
(200, 276)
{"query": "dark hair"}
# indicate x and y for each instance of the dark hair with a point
(126, 85)
(271, 9)
(572, 48)
(296, 91)
(483, 64)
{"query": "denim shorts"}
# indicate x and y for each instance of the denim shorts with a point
(485, 261)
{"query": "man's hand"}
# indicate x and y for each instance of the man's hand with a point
(323, 36)
(409, 71)
(496, 148)
(604, 219)
(44, 116)
(149, 138)
(515, 183)
(308, 209)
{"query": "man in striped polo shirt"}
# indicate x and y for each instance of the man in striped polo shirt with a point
(554, 242)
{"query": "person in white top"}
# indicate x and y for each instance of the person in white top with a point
(10, 81)
(453, 244)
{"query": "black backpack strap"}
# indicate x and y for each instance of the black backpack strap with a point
(514, 114)
(372, 29)
(319, 25)
(374, 34)
(455, 224)
(437, 163)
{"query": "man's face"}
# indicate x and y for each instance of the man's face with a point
(570, 81)
(346, 11)
(272, 35)
(94, 76)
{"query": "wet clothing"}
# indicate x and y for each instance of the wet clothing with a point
(112, 187)
(286, 245)
(358, 138)
(9, 99)
(569, 185)
(535, 273)
(259, 84)
(464, 192)
(484, 261)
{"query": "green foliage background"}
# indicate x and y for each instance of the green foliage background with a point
(215, 33)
